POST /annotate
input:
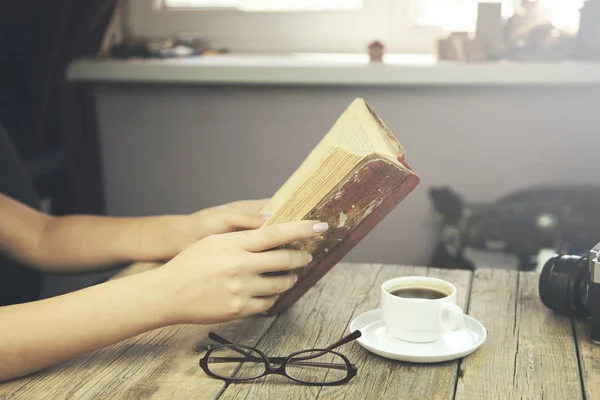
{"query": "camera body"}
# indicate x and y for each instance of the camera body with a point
(570, 285)
(594, 293)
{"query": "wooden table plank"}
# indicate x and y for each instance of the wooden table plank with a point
(589, 359)
(529, 352)
(325, 313)
(492, 302)
(547, 364)
(161, 364)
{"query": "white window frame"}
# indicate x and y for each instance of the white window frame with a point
(305, 31)
(255, 5)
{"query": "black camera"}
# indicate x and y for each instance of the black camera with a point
(570, 285)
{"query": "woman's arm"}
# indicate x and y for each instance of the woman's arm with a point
(82, 243)
(217, 279)
(39, 334)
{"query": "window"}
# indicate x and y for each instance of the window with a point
(267, 5)
(457, 15)
(330, 26)
(182, 4)
(461, 15)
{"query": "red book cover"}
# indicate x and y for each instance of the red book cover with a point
(357, 204)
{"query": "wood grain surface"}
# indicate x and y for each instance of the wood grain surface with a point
(589, 359)
(530, 352)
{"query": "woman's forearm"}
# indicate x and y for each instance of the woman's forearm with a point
(81, 243)
(42, 333)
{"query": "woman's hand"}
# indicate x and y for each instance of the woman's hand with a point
(220, 278)
(185, 230)
(230, 217)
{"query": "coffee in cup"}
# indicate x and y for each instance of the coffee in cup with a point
(420, 309)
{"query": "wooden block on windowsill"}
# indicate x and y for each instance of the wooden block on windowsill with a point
(460, 47)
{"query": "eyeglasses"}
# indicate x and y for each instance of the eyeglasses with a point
(318, 367)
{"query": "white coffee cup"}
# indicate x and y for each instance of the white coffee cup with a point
(420, 320)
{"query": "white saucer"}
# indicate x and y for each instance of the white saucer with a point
(376, 338)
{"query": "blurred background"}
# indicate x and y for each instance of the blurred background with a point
(139, 107)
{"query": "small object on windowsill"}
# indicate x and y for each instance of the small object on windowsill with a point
(129, 50)
(177, 52)
(222, 50)
(489, 29)
(475, 51)
(376, 50)
(458, 46)
(458, 40)
(192, 41)
(180, 46)
(587, 40)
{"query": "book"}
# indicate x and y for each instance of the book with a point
(354, 177)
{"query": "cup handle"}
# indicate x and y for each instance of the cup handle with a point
(451, 317)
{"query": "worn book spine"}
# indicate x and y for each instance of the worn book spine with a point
(352, 210)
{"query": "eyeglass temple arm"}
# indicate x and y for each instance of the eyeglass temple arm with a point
(218, 338)
(222, 340)
(353, 335)
(348, 338)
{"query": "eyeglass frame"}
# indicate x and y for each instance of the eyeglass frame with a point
(269, 361)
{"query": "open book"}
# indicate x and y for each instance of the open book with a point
(352, 179)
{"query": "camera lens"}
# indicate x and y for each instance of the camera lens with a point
(564, 283)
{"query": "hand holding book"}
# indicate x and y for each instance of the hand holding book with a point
(352, 179)
(224, 277)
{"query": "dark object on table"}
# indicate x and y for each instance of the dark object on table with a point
(570, 285)
(449, 253)
(565, 218)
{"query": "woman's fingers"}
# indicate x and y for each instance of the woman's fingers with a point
(266, 286)
(259, 305)
(241, 220)
(280, 260)
(269, 237)
(249, 206)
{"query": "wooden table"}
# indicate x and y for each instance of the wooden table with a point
(530, 352)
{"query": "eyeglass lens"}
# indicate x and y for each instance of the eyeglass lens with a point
(316, 367)
(233, 362)
(311, 366)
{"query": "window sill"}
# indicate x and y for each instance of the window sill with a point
(330, 69)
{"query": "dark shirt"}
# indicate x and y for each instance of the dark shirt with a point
(18, 283)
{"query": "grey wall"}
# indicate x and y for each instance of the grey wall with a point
(171, 149)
